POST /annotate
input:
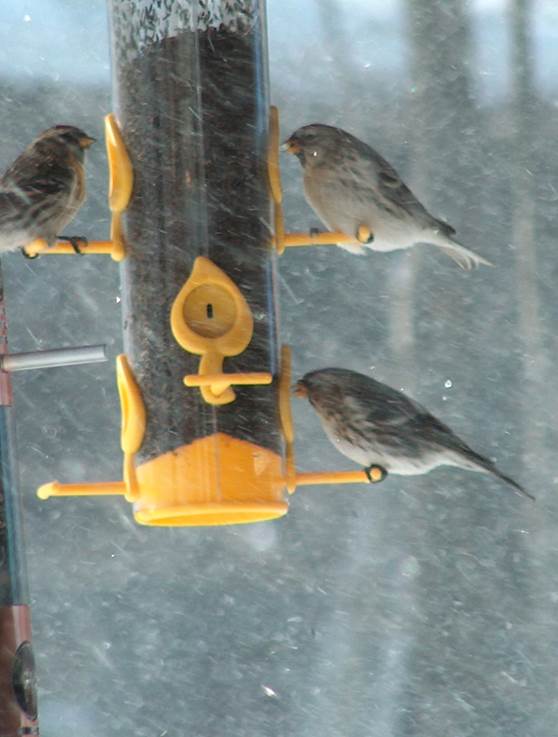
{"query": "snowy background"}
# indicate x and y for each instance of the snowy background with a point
(421, 607)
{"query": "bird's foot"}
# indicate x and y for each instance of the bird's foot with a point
(364, 235)
(28, 255)
(375, 473)
(315, 231)
(74, 241)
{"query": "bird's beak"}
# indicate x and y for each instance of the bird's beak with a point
(291, 146)
(300, 390)
(87, 141)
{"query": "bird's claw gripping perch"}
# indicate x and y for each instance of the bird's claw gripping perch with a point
(74, 241)
(375, 473)
(364, 235)
(28, 255)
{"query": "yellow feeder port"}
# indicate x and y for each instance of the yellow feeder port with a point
(211, 318)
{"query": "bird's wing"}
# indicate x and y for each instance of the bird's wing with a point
(12, 219)
(432, 429)
(389, 409)
(403, 418)
(27, 192)
(394, 191)
(32, 175)
(385, 407)
(10, 204)
(393, 188)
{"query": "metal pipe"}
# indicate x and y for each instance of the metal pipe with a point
(53, 358)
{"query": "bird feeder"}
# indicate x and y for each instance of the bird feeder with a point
(204, 388)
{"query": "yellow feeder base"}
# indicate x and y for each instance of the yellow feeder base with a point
(188, 487)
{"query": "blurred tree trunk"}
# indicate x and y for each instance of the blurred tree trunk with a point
(442, 144)
(338, 49)
(442, 171)
(523, 219)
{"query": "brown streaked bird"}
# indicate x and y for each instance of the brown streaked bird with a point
(43, 189)
(375, 425)
(351, 187)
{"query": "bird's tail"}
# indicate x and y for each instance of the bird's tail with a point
(462, 256)
(479, 463)
(496, 472)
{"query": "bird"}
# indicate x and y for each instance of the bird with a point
(377, 426)
(354, 190)
(43, 189)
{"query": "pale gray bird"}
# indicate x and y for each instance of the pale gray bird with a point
(44, 188)
(375, 425)
(349, 185)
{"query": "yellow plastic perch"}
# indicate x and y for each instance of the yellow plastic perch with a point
(121, 182)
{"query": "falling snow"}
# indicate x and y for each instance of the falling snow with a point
(412, 607)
